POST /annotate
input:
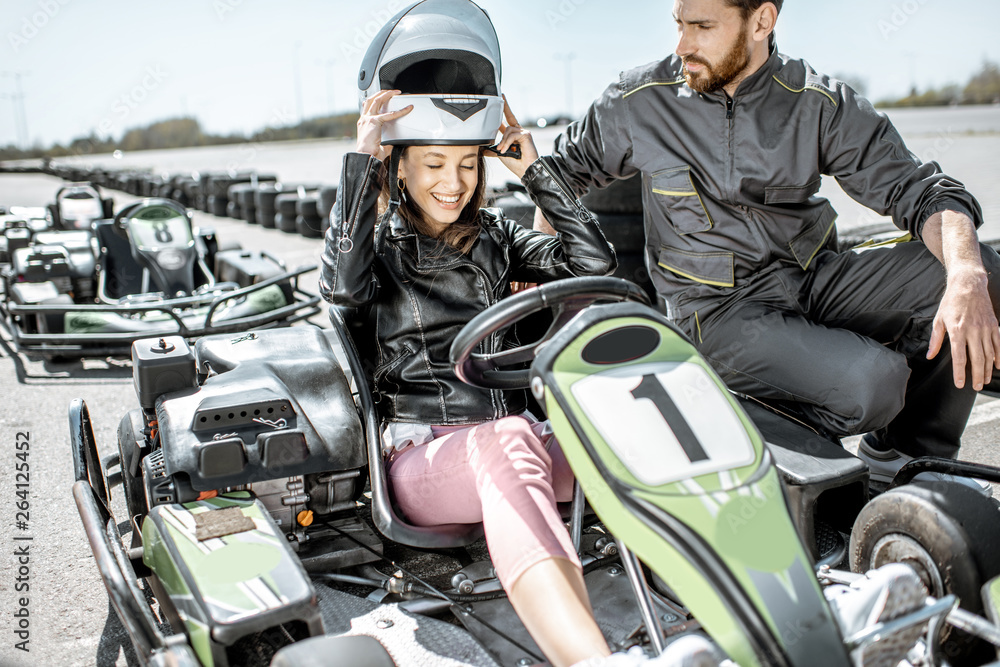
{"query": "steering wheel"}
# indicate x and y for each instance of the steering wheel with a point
(118, 223)
(566, 298)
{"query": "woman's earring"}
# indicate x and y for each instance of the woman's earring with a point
(401, 184)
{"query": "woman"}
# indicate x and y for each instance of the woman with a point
(457, 453)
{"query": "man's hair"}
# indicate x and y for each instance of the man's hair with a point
(748, 7)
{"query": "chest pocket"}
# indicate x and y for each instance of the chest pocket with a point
(674, 192)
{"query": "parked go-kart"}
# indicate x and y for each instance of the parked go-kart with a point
(244, 466)
(147, 272)
(78, 206)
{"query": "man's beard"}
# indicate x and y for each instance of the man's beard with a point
(713, 78)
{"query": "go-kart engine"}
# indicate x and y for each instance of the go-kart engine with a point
(269, 412)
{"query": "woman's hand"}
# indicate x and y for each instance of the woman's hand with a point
(513, 133)
(373, 117)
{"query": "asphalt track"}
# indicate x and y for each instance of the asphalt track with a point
(71, 622)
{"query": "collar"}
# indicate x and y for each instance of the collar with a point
(760, 79)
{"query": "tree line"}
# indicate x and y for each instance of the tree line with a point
(185, 132)
(982, 88)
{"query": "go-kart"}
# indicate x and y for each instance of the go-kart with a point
(246, 519)
(78, 206)
(147, 272)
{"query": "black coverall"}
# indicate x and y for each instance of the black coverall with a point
(744, 255)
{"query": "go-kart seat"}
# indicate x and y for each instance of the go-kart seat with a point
(386, 519)
(121, 275)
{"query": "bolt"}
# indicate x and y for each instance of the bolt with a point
(525, 662)
(383, 623)
(669, 618)
(614, 571)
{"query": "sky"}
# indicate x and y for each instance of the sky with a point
(104, 66)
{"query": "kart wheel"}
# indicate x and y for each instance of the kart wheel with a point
(132, 486)
(86, 461)
(948, 533)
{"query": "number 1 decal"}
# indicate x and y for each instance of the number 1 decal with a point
(652, 389)
(666, 421)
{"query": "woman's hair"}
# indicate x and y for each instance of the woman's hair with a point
(462, 233)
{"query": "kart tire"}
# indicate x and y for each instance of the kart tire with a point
(246, 195)
(310, 227)
(948, 532)
(623, 197)
(327, 198)
(285, 203)
(264, 197)
(308, 206)
(285, 223)
(265, 217)
(249, 214)
(132, 486)
(217, 205)
(233, 211)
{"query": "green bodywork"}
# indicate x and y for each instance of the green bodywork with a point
(263, 300)
(991, 599)
(223, 581)
(739, 513)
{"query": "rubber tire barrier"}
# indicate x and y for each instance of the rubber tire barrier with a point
(217, 205)
(327, 198)
(285, 223)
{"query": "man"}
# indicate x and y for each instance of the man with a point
(731, 139)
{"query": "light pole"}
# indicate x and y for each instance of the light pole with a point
(328, 64)
(20, 119)
(17, 117)
(568, 58)
(298, 78)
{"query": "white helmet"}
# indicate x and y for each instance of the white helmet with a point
(444, 56)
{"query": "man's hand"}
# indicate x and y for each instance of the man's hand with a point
(965, 313)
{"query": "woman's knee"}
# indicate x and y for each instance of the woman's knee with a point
(511, 442)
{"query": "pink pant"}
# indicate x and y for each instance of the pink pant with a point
(499, 473)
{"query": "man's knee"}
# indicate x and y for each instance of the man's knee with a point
(878, 392)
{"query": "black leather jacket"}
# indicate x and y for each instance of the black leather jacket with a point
(421, 293)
